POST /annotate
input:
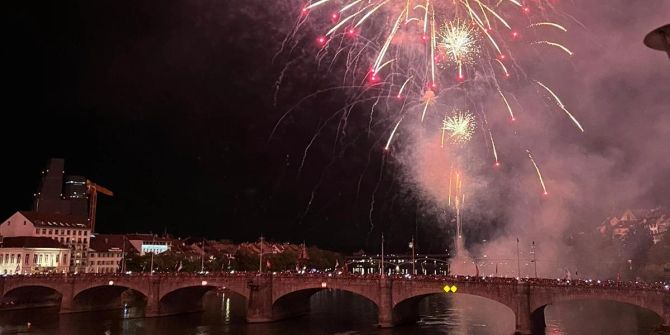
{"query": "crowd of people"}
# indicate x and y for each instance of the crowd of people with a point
(581, 283)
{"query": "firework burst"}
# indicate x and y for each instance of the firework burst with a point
(411, 50)
(459, 127)
(459, 44)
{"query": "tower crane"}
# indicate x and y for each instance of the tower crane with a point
(93, 189)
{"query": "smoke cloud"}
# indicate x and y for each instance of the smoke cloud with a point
(619, 90)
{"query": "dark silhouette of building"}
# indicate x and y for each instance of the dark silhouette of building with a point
(60, 194)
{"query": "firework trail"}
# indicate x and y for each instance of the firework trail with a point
(561, 105)
(537, 170)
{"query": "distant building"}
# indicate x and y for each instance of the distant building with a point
(656, 221)
(27, 254)
(106, 252)
(148, 243)
(70, 231)
(429, 264)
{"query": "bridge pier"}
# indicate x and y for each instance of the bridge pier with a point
(523, 312)
(67, 297)
(385, 306)
(153, 307)
(259, 304)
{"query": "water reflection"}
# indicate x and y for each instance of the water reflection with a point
(336, 312)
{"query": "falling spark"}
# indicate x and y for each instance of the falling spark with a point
(509, 109)
(537, 169)
(549, 24)
(493, 146)
(560, 46)
(388, 143)
(561, 105)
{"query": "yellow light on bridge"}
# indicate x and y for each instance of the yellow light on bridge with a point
(204, 283)
(447, 288)
(323, 284)
(111, 282)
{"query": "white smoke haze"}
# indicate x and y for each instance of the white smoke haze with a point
(620, 92)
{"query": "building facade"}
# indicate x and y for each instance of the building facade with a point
(106, 253)
(27, 255)
(148, 243)
(72, 232)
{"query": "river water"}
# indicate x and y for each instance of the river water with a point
(338, 313)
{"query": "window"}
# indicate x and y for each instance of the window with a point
(35, 259)
(24, 222)
(50, 232)
(2, 260)
(11, 258)
(27, 259)
(40, 259)
(68, 231)
(44, 231)
(18, 259)
(37, 231)
(67, 240)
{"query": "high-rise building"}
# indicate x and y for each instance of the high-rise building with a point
(60, 194)
(76, 194)
(48, 198)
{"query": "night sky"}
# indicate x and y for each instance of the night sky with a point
(171, 105)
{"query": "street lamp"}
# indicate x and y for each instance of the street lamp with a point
(659, 39)
(382, 264)
(260, 257)
(411, 245)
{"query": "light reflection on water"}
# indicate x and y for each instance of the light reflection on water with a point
(337, 313)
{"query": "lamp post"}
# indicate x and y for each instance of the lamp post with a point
(411, 245)
(382, 264)
(532, 250)
(202, 258)
(518, 262)
(260, 257)
(153, 251)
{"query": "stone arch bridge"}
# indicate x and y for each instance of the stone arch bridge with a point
(276, 297)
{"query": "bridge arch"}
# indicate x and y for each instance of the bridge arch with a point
(297, 302)
(108, 296)
(649, 303)
(33, 294)
(189, 297)
(407, 310)
(407, 294)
